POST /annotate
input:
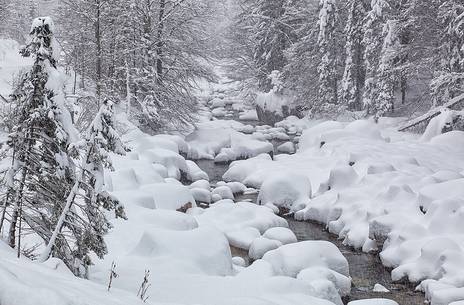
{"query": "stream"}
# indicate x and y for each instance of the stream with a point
(366, 269)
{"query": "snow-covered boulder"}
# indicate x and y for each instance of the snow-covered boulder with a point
(287, 147)
(242, 238)
(230, 217)
(287, 191)
(281, 234)
(201, 184)
(168, 196)
(201, 195)
(373, 302)
(194, 172)
(313, 274)
(224, 191)
(261, 245)
(291, 259)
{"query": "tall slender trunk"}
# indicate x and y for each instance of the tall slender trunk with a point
(128, 92)
(159, 41)
(19, 195)
(69, 202)
(98, 66)
(403, 89)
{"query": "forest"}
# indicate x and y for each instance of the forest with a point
(277, 152)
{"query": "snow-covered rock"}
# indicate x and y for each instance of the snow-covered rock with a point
(281, 234)
(373, 302)
(224, 191)
(261, 245)
(287, 147)
(291, 259)
(287, 190)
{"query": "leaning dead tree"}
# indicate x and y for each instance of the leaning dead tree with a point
(420, 123)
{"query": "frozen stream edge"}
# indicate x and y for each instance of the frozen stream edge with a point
(366, 269)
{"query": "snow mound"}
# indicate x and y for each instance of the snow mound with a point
(223, 191)
(341, 282)
(287, 147)
(261, 245)
(236, 218)
(281, 234)
(373, 302)
(291, 259)
(287, 190)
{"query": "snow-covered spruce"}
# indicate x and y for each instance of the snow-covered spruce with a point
(88, 197)
(42, 169)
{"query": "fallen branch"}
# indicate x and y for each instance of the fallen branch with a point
(425, 118)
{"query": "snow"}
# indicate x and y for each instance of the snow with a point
(259, 246)
(243, 238)
(11, 63)
(373, 302)
(439, 123)
(281, 234)
(249, 115)
(201, 195)
(201, 184)
(341, 282)
(272, 102)
(286, 190)
(374, 184)
(291, 259)
(287, 147)
(210, 137)
(223, 191)
(380, 288)
(242, 222)
(194, 173)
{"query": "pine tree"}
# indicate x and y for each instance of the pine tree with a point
(328, 87)
(302, 56)
(42, 170)
(449, 80)
(271, 36)
(386, 74)
(373, 29)
(87, 199)
(354, 74)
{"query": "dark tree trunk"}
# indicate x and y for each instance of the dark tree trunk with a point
(98, 65)
(159, 41)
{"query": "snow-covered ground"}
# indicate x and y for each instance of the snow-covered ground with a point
(372, 184)
(368, 183)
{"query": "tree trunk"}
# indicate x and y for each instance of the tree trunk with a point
(69, 201)
(98, 66)
(403, 89)
(128, 93)
(159, 41)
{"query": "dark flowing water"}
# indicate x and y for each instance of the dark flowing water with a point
(366, 269)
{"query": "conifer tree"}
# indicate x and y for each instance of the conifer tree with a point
(373, 29)
(386, 74)
(87, 199)
(271, 36)
(354, 74)
(42, 170)
(449, 79)
(328, 87)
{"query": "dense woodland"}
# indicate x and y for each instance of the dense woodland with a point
(381, 57)
(332, 58)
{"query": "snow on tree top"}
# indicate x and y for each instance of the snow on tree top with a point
(42, 21)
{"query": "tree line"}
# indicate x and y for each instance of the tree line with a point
(380, 57)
